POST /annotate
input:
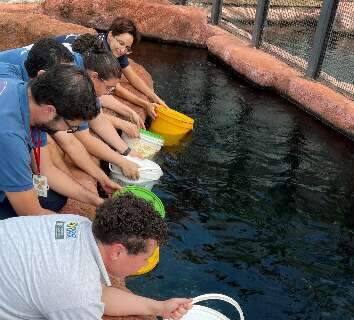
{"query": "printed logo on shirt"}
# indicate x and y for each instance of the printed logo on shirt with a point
(59, 230)
(3, 85)
(71, 230)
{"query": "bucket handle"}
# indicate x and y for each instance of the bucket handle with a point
(217, 296)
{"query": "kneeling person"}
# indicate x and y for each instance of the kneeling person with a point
(56, 267)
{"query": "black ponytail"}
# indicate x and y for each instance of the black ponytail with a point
(102, 61)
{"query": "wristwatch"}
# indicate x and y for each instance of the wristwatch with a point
(126, 152)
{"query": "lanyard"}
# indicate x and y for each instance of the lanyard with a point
(37, 150)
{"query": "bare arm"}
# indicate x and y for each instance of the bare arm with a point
(26, 203)
(108, 101)
(129, 128)
(64, 184)
(104, 128)
(140, 85)
(122, 303)
(102, 151)
(77, 152)
(131, 97)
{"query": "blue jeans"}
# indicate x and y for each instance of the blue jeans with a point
(54, 202)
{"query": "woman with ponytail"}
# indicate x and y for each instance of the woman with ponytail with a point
(120, 38)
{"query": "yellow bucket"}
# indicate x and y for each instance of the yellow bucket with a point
(151, 264)
(171, 124)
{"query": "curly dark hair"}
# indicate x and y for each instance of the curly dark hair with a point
(46, 53)
(103, 62)
(69, 90)
(129, 220)
(85, 42)
(124, 25)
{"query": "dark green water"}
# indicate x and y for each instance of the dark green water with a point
(259, 200)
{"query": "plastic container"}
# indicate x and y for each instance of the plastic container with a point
(149, 171)
(148, 144)
(145, 194)
(159, 207)
(151, 264)
(171, 124)
(199, 312)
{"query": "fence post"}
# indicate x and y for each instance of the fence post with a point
(261, 15)
(320, 40)
(216, 11)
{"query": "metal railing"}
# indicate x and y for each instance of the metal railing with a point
(315, 36)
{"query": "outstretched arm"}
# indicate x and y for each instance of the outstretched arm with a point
(122, 303)
(64, 184)
(112, 103)
(139, 84)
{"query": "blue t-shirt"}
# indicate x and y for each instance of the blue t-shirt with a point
(68, 39)
(15, 137)
(17, 57)
(8, 70)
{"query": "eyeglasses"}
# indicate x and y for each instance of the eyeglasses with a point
(127, 49)
(110, 89)
(72, 129)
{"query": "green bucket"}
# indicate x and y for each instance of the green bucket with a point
(145, 194)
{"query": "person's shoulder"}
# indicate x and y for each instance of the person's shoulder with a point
(67, 38)
(123, 61)
(11, 71)
(9, 88)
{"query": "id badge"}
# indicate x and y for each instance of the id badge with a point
(40, 184)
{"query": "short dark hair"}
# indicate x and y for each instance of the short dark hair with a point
(124, 25)
(84, 43)
(46, 53)
(129, 220)
(103, 62)
(69, 90)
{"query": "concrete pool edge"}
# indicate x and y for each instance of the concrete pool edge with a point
(159, 20)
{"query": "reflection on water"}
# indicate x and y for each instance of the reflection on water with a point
(259, 201)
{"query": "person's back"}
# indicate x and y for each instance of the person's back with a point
(17, 56)
(44, 50)
(51, 268)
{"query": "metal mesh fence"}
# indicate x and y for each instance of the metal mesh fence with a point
(290, 28)
(338, 64)
(238, 16)
(289, 31)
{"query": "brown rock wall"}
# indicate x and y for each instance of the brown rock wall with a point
(156, 19)
(19, 29)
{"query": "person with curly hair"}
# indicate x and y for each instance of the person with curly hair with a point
(119, 39)
(57, 267)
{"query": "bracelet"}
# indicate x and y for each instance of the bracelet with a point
(126, 152)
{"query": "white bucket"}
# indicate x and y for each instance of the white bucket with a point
(146, 145)
(204, 313)
(149, 173)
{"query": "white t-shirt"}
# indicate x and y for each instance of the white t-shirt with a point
(50, 268)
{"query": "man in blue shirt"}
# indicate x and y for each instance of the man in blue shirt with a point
(47, 52)
(57, 100)
(18, 56)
